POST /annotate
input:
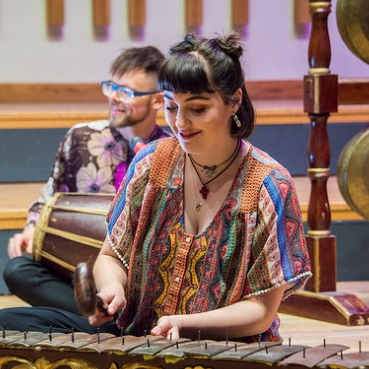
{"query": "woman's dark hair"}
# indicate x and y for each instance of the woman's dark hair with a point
(198, 65)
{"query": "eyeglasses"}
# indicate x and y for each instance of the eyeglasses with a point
(123, 94)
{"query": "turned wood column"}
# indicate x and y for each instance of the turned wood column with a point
(101, 18)
(193, 16)
(320, 99)
(55, 19)
(240, 16)
(136, 18)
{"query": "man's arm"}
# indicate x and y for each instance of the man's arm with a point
(22, 242)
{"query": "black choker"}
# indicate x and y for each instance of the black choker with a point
(204, 190)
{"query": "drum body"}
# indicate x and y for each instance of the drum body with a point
(71, 229)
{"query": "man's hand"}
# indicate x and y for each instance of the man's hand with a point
(21, 242)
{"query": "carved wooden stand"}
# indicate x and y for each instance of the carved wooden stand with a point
(320, 299)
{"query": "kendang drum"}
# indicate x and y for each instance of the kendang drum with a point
(71, 229)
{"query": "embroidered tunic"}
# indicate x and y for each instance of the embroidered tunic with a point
(254, 243)
(93, 157)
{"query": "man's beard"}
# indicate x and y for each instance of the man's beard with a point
(127, 121)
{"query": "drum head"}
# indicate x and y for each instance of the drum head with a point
(353, 173)
(353, 25)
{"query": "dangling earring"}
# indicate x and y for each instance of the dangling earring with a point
(237, 120)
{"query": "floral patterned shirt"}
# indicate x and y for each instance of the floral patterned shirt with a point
(93, 157)
(254, 243)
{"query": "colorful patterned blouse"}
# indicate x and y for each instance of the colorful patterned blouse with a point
(254, 243)
(93, 157)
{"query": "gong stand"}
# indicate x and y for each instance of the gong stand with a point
(320, 300)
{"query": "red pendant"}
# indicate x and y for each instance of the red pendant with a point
(204, 192)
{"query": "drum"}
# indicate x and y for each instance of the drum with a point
(71, 229)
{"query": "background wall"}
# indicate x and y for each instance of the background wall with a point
(272, 50)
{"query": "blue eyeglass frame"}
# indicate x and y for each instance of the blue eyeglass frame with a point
(131, 93)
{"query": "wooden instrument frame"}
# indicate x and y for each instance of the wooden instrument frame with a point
(105, 351)
(321, 91)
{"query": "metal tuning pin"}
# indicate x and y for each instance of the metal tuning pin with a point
(259, 341)
(50, 334)
(324, 343)
(170, 336)
(304, 353)
(199, 335)
(360, 347)
(25, 334)
(98, 335)
(122, 336)
(177, 347)
(4, 332)
(341, 354)
(227, 338)
(266, 349)
(145, 333)
(206, 345)
(235, 347)
(289, 341)
(148, 342)
(72, 336)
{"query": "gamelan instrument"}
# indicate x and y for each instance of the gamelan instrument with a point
(71, 229)
(352, 21)
(353, 163)
(353, 173)
(105, 351)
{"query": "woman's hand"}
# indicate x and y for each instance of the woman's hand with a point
(112, 299)
(167, 326)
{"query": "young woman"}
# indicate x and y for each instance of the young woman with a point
(205, 234)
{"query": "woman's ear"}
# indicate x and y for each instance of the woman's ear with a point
(237, 99)
(157, 101)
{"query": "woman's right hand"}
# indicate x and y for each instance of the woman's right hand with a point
(113, 299)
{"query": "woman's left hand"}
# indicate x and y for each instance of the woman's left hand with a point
(167, 326)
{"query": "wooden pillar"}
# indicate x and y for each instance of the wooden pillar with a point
(101, 18)
(240, 16)
(55, 19)
(193, 13)
(320, 99)
(136, 18)
(301, 17)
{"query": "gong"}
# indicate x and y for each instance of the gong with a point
(353, 173)
(353, 25)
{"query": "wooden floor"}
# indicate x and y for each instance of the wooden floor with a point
(301, 331)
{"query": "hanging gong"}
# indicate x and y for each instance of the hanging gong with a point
(353, 173)
(353, 25)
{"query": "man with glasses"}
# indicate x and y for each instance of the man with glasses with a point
(93, 157)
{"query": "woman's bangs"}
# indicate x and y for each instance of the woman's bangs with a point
(184, 74)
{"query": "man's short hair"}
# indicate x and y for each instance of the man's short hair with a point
(148, 58)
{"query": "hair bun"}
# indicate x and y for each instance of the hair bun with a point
(229, 44)
(189, 44)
